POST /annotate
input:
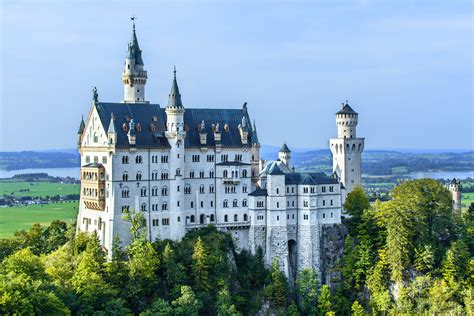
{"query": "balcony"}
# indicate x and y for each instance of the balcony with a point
(93, 186)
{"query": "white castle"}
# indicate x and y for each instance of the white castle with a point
(186, 168)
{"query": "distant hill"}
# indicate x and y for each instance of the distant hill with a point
(374, 162)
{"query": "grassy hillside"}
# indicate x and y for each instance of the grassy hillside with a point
(22, 217)
(36, 189)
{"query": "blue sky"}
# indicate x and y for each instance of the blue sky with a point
(405, 66)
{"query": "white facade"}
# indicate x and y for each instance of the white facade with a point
(186, 168)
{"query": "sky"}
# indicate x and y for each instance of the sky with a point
(405, 66)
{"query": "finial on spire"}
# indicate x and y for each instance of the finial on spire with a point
(174, 71)
(133, 18)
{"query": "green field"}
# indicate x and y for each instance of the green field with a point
(467, 199)
(20, 188)
(22, 217)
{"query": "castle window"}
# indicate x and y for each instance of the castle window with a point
(164, 175)
(164, 191)
(154, 191)
(178, 188)
(312, 190)
(225, 174)
(244, 189)
(235, 203)
(323, 189)
(324, 202)
(236, 218)
(165, 221)
(331, 188)
(138, 159)
(244, 173)
(226, 218)
(278, 204)
(259, 203)
(192, 204)
(125, 193)
(125, 208)
(192, 219)
(305, 203)
(179, 218)
(211, 174)
(292, 216)
(143, 207)
(155, 222)
(225, 203)
(195, 158)
(191, 174)
(178, 172)
(331, 215)
(154, 175)
(244, 203)
(211, 218)
(201, 189)
(138, 176)
(210, 158)
(292, 203)
(187, 189)
(278, 218)
(278, 191)
(211, 189)
(331, 202)
(202, 204)
(164, 159)
(212, 203)
(164, 206)
(125, 176)
(178, 203)
(201, 174)
(143, 192)
(305, 190)
(287, 189)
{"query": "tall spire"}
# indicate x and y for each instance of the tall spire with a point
(111, 124)
(174, 96)
(134, 51)
(81, 126)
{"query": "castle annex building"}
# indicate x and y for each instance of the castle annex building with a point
(186, 168)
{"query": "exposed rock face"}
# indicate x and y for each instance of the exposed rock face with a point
(332, 245)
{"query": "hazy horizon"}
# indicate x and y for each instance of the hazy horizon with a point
(406, 68)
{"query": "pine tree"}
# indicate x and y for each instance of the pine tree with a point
(325, 300)
(200, 266)
(224, 304)
(187, 304)
(307, 287)
(357, 309)
(279, 285)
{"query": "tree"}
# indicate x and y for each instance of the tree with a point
(224, 304)
(356, 202)
(25, 287)
(173, 271)
(200, 266)
(307, 287)
(187, 304)
(377, 281)
(55, 235)
(325, 300)
(279, 286)
(357, 309)
(117, 268)
(159, 307)
(456, 261)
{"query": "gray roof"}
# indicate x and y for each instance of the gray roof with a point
(81, 126)
(174, 96)
(284, 148)
(272, 169)
(259, 192)
(311, 178)
(93, 165)
(144, 115)
(254, 137)
(133, 51)
(346, 109)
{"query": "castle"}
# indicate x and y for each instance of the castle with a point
(186, 168)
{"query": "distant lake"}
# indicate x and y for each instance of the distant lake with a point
(442, 174)
(74, 172)
(54, 172)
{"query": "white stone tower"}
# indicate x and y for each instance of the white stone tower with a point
(175, 133)
(347, 150)
(455, 189)
(134, 76)
(285, 155)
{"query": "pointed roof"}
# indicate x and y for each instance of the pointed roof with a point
(134, 51)
(346, 109)
(81, 126)
(284, 148)
(174, 96)
(254, 137)
(111, 125)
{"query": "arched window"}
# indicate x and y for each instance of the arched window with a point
(244, 173)
(164, 175)
(211, 218)
(143, 191)
(125, 159)
(192, 219)
(125, 192)
(226, 203)
(143, 207)
(154, 175)
(236, 217)
(226, 218)
(225, 174)
(245, 217)
(138, 159)
(139, 176)
(244, 203)
(125, 176)
(235, 203)
(154, 191)
(164, 191)
(278, 191)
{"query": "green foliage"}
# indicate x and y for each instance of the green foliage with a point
(187, 304)
(325, 300)
(279, 286)
(357, 309)
(356, 202)
(307, 288)
(224, 304)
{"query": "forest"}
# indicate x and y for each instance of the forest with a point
(409, 255)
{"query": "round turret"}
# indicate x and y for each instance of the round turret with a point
(285, 155)
(346, 121)
(455, 189)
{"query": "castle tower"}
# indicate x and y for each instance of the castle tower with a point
(134, 76)
(175, 133)
(455, 189)
(347, 150)
(285, 155)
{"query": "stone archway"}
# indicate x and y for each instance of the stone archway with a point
(292, 258)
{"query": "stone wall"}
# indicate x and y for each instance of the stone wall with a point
(332, 248)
